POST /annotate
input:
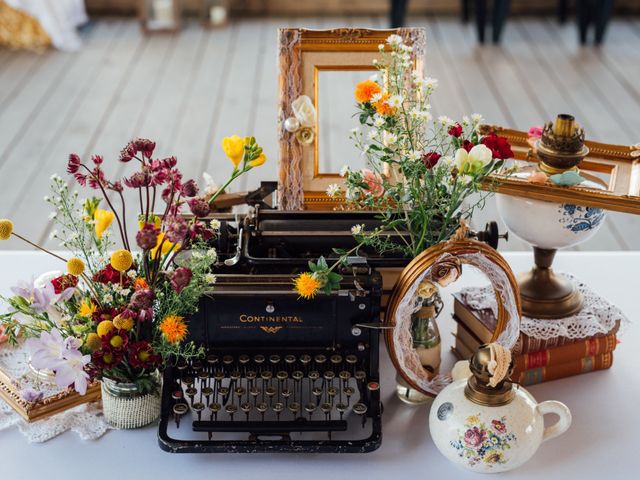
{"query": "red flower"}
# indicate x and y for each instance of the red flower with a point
(189, 189)
(474, 437)
(181, 278)
(199, 207)
(104, 314)
(141, 355)
(116, 340)
(106, 358)
(111, 275)
(499, 146)
(455, 130)
(74, 163)
(498, 426)
(467, 145)
(61, 283)
(430, 159)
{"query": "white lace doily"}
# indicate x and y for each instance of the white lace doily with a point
(598, 315)
(86, 420)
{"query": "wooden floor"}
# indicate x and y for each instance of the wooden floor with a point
(189, 90)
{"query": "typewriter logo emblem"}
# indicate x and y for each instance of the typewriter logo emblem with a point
(271, 329)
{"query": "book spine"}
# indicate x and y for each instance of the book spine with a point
(589, 347)
(527, 344)
(569, 369)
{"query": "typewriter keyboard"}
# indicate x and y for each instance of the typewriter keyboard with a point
(290, 402)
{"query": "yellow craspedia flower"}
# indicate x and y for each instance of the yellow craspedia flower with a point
(173, 328)
(6, 229)
(104, 327)
(121, 260)
(307, 285)
(166, 246)
(233, 148)
(103, 220)
(258, 161)
(93, 342)
(122, 323)
(75, 266)
(87, 308)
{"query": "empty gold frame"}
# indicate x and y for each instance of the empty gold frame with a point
(617, 165)
(305, 56)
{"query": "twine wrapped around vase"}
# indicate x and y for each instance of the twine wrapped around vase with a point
(126, 407)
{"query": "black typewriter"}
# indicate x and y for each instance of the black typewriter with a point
(281, 374)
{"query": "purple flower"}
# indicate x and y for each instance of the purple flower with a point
(24, 288)
(189, 189)
(30, 395)
(474, 437)
(181, 278)
(71, 371)
(43, 297)
(142, 299)
(176, 229)
(199, 207)
(47, 350)
(147, 237)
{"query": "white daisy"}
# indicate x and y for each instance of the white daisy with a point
(372, 134)
(212, 254)
(108, 298)
(476, 118)
(414, 155)
(445, 121)
(210, 278)
(376, 97)
(378, 121)
(395, 101)
(389, 139)
(394, 40)
(431, 83)
(357, 229)
(132, 274)
(333, 190)
(215, 224)
(125, 292)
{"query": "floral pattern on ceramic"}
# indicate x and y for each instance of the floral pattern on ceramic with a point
(482, 443)
(576, 218)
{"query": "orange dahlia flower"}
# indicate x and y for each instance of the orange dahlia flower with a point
(173, 328)
(366, 90)
(382, 106)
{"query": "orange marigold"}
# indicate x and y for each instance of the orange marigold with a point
(140, 284)
(173, 328)
(382, 106)
(307, 285)
(366, 90)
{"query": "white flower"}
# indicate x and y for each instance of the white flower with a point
(431, 83)
(53, 235)
(395, 101)
(131, 274)
(394, 40)
(414, 155)
(355, 131)
(210, 278)
(53, 215)
(304, 111)
(372, 134)
(344, 170)
(197, 255)
(107, 298)
(378, 120)
(215, 224)
(125, 292)
(54, 177)
(474, 160)
(476, 118)
(389, 139)
(381, 46)
(376, 97)
(375, 61)
(445, 121)
(46, 198)
(357, 229)
(333, 190)
(210, 186)
(448, 160)
(465, 120)
(212, 254)
(406, 48)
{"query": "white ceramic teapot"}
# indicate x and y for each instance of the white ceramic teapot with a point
(485, 423)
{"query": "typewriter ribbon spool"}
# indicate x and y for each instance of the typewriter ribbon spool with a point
(403, 303)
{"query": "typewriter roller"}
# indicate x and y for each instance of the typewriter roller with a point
(280, 374)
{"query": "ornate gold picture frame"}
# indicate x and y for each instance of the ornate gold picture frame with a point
(617, 165)
(303, 57)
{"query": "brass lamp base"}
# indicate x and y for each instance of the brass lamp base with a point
(545, 294)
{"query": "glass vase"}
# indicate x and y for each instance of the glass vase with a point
(125, 406)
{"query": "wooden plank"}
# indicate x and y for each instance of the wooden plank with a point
(15, 69)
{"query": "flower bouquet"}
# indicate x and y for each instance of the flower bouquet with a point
(119, 314)
(423, 175)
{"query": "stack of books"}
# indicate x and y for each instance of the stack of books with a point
(535, 360)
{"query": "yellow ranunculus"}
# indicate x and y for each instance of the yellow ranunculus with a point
(233, 148)
(258, 161)
(103, 220)
(166, 246)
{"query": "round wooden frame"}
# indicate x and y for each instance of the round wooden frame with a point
(419, 265)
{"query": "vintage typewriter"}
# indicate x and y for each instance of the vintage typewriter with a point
(281, 373)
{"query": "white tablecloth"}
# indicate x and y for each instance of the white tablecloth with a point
(602, 442)
(59, 18)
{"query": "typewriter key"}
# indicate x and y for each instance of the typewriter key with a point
(278, 407)
(227, 359)
(246, 408)
(352, 359)
(274, 359)
(320, 359)
(218, 376)
(179, 409)
(344, 375)
(266, 375)
(282, 375)
(294, 408)
(317, 392)
(310, 408)
(297, 375)
(182, 365)
(290, 359)
(305, 359)
(203, 376)
(244, 359)
(177, 395)
(188, 381)
(240, 391)
(373, 386)
(349, 391)
(314, 375)
(255, 393)
(196, 366)
(224, 393)
(198, 407)
(329, 375)
(360, 375)
(191, 392)
(341, 407)
(215, 408)
(250, 375)
(286, 393)
(270, 391)
(262, 407)
(207, 392)
(332, 392)
(360, 408)
(235, 375)
(212, 359)
(231, 409)
(326, 409)
(336, 359)
(258, 359)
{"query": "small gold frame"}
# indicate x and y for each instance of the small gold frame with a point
(620, 162)
(302, 55)
(47, 406)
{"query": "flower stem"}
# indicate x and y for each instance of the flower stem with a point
(38, 247)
